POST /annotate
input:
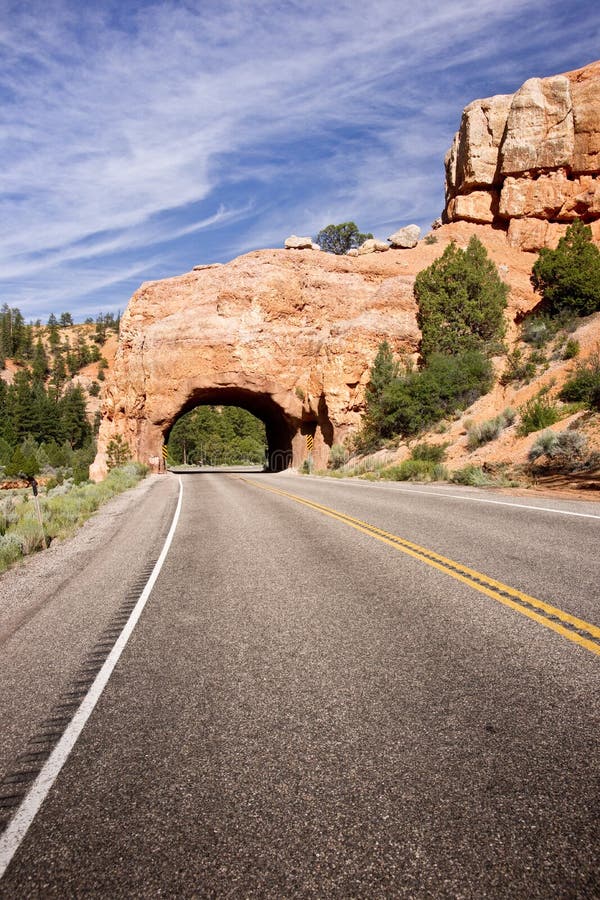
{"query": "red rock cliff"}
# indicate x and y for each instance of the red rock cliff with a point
(529, 162)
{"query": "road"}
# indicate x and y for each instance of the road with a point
(334, 689)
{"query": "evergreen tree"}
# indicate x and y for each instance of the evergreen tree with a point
(383, 371)
(53, 334)
(59, 373)
(65, 320)
(100, 332)
(72, 363)
(74, 423)
(117, 452)
(568, 278)
(461, 301)
(21, 405)
(40, 366)
(83, 352)
(340, 238)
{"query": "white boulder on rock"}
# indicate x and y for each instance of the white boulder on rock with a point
(372, 245)
(298, 243)
(405, 238)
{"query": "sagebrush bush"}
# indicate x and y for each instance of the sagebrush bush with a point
(435, 453)
(338, 456)
(416, 470)
(11, 550)
(471, 475)
(478, 435)
(539, 412)
(569, 445)
(63, 509)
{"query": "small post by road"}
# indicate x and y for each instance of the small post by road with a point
(309, 449)
(31, 481)
(165, 456)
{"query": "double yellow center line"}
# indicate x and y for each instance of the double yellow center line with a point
(570, 627)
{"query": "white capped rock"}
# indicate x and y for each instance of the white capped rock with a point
(298, 243)
(406, 237)
(372, 245)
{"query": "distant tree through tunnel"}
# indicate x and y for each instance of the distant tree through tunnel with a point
(218, 435)
(230, 426)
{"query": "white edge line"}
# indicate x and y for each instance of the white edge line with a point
(18, 826)
(394, 487)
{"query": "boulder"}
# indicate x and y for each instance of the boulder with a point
(405, 238)
(479, 206)
(539, 128)
(472, 161)
(372, 245)
(298, 243)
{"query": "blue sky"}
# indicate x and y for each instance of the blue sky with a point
(138, 140)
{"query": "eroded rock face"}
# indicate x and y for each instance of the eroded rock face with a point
(531, 156)
(291, 337)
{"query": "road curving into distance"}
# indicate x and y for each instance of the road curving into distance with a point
(332, 689)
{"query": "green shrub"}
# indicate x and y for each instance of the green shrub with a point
(10, 550)
(568, 278)
(584, 385)
(430, 239)
(338, 456)
(539, 412)
(435, 453)
(518, 368)
(94, 389)
(416, 470)
(117, 452)
(471, 475)
(416, 400)
(461, 300)
(571, 349)
(537, 358)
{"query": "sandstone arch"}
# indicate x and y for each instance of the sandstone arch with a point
(288, 335)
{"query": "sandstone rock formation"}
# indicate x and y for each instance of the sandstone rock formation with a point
(290, 337)
(406, 237)
(530, 162)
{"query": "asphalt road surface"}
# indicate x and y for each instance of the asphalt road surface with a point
(333, 689)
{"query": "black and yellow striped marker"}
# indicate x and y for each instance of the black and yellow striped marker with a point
(165, 452)
(309, 443)
(574, 629)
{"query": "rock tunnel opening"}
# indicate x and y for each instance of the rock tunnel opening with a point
(279, 428)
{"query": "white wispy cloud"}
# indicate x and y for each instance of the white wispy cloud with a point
(126, 128)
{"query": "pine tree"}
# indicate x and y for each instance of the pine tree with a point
(461, 301)
(383, 372)
(53, 334)
(39, 367)
(74, 422)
